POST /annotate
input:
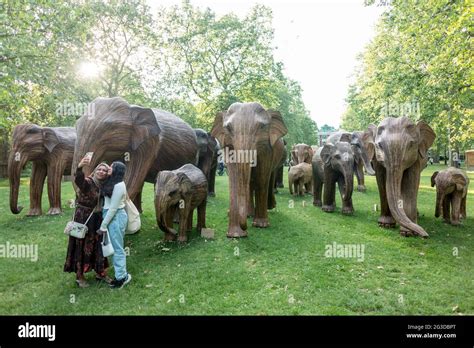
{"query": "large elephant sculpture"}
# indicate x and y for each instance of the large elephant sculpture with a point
(451, 193)
(333, 163)
(147, 140)
(401, 148)
(208, 153)
(247, 130)
(180, 191)
(51, 150)
(362, 148)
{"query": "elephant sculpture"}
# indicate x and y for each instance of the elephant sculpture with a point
(181, 190)
(362, 148)
(301, 153)
(251, 139)
(208, 153)
(333, 163)
(300, 177)
(51, 150)
(451, 193)
(401, 149)
(146, 140)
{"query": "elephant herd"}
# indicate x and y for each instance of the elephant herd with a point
(160, 148)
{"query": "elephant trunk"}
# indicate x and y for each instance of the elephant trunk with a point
(14, 173)
(367, 163)
(239, 193)
(395, 202)
(348, 185)
(439, 203)
(161, 205)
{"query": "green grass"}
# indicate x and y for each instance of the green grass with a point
(279, 270)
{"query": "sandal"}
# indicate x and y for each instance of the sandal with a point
(82, 283)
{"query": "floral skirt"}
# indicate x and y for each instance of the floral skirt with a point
(84, 255)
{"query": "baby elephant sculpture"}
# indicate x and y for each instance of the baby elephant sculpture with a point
(451, 190)
(182, 190)
(301, 177)
(333, 163)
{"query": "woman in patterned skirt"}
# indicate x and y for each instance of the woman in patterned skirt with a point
(84, 255)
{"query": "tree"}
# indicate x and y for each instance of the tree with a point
(421, 58)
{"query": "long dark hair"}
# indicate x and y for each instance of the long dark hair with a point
(118, 172)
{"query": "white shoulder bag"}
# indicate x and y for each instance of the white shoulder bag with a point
(134, 222)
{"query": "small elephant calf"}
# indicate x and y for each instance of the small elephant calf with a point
(451, 192)
(301, 176)
(181, 190)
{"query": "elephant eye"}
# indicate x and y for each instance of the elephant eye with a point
(229, 128)
(172, 193)
(337, 157)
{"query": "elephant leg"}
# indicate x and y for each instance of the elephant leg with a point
(386, 219)
(250, 202)
(446, 208)
(347, 208)
(309, 187)
(359, 172)
(462, 214)
(38, 175)
(55, 173)
(455, 208)
(329, 197)
(170, 235)
(189, 221)
(262, 184)
(212, 181)
(201, 219)
(290, 185)
(410, 184)
(317, 191)
(271, 195)
(279, 178)
(138, 200)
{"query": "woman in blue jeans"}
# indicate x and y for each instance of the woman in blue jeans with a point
(115, 221)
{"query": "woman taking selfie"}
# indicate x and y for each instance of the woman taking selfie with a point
(84, 255)
(115, 221)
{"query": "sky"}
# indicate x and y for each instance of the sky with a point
(318, 42)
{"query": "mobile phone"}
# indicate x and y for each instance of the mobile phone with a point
(89, 155)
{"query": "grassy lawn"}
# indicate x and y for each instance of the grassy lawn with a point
(279, 270)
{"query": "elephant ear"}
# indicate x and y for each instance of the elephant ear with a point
(218, 130)
(310, 152)
(50, 139)
(433, 178)
(277, 126)
(326, 152)
(144, 125)
(427, 137)
(185, 184)
(460, 181)
(372, 130)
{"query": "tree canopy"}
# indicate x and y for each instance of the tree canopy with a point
(183, 59)
(419, 64)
